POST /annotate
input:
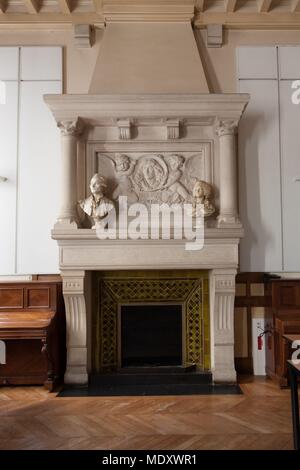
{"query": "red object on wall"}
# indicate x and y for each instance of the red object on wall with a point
(259, 343)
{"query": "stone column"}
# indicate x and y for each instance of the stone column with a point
(70, 130)
(73, 291)
(228, 173)
(223, 319)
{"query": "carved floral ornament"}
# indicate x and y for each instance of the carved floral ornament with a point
(74, 127)
(226, 127)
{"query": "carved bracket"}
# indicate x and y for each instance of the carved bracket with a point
(124, 126)
(173, 129)
(83, 35)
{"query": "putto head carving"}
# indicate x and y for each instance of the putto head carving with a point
(203, 194)
(123, 162)
(175, 161)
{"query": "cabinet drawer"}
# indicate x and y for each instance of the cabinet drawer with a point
(286, 295)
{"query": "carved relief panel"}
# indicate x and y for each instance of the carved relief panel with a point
(154, 177)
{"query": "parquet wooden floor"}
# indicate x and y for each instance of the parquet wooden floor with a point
(31, 418)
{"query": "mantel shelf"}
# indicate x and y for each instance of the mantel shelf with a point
(82, 234)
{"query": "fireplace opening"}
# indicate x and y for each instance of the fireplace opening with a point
(151, 335)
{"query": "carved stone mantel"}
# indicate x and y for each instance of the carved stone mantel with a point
(148, 128)
(81, 251)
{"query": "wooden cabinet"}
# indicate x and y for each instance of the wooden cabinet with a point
(282, 318)
(32, 326)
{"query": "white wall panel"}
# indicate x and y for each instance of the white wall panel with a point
(289, 62)
(9, 63)
(8, 169)
(256, 62)
(259, 178)
(39, 170)
(41, 63)
(290, 162)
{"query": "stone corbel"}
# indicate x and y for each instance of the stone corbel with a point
(172, 129)
(83, 35)
(125, 131)
(224, 283)
(73, 292)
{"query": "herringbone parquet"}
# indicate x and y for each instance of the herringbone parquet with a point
(31, 418)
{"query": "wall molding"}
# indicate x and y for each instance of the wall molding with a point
(262, 14)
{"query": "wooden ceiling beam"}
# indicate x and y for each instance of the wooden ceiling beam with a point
(40, 20)
(237, 20)
(65, 6)
(98, 6)
(295, 6)
(32, 6)
(263, 6)
(199, 5)
(230, 5)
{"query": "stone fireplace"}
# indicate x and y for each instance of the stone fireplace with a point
(150, 318)
(149, 124)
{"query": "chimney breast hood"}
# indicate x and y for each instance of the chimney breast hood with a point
(149, 57)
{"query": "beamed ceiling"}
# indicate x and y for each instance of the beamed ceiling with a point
(242, 14)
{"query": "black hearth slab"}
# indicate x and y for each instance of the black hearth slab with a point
(158, 369)
(179, 378)
(149, 390)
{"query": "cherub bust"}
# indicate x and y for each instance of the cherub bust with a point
(203, 194)
(97, 206)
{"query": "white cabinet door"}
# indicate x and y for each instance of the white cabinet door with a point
(259, 178)
(289, 62)
(41, 63)
(256, 62)
(8, 169)
(39, 170)
(9, 63)
(290, 163)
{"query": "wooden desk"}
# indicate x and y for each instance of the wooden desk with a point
(294, 370)
(292, 338)
(289, 350)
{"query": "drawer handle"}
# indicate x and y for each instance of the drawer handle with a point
(297, 179)
(2, 179)
(2, 352)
